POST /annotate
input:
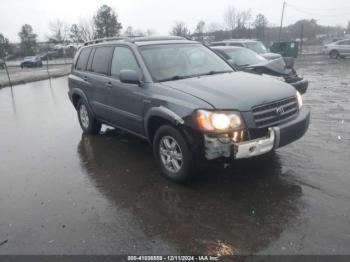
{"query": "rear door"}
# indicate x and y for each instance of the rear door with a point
(126, 100)
(98, 76)
(78, 79)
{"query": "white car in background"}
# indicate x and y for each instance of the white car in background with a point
(337, 49)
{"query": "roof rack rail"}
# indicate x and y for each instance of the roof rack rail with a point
(106, 39)
(135, 39)
(156, 38)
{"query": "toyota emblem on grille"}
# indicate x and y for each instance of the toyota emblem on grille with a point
(279, 111)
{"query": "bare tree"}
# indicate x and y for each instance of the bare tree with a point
(75, 34)
(87, 29)
(59, 31)
(213, 27)
(230, 19)
(199, 31)
(260, 24)
(180, 29)
(242, 20)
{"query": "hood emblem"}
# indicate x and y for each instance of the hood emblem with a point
(279, 111)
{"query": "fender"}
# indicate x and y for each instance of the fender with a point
(164, 113)
(79, 92)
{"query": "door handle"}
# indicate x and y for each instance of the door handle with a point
(109, 84)
(85, 78)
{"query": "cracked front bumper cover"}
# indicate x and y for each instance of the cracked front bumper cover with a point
(278, 136)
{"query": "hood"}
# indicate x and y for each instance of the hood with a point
(237, 90)
(275, 67)
(271, 56)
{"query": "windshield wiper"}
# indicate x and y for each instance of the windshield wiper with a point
(176, 77)
(213, 72)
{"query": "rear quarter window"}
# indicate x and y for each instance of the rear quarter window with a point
(236, 44)
(102, 59)
(82, 59)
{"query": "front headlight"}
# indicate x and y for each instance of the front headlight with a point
(300, 100)
(219, 121)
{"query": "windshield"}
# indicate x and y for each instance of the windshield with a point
(257, 47)
(243, 56)
(178, 61)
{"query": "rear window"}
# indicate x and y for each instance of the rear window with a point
(102, 59)
(83, 58)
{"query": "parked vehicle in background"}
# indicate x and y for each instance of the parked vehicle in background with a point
(255, 45)
(244, 59)
(185, 100)
(2, 64)
(52, 54)
(32, 61)
(337, 49)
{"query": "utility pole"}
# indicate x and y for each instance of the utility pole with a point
(279, 35)
(301, 38)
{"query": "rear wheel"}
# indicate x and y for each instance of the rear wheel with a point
(334, 54)
(173, 155)
(87, 122)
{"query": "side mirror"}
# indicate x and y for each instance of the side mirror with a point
(129, 77)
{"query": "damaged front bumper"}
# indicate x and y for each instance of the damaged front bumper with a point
(278, 136)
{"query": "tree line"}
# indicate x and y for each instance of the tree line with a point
(105, 23)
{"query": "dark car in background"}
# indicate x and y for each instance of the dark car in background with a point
(32, 61)
(185, 100)
(254, 45)
(246, 60)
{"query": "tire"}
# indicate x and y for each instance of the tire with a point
(168, 154)
(334, 54)
(87, 122)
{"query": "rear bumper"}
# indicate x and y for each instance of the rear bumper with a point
(278, 136)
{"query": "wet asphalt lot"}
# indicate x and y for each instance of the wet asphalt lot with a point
(64, 193)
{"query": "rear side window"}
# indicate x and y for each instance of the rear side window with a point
(101, 60)
(83, 58)
(123, 58)
(235, 44)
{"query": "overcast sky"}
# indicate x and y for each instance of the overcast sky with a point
(159, 15)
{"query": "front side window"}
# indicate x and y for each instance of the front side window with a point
(83, 58)
(123, 58)
(344, 42)
(101, 60)
(244, 57)
(177, 61)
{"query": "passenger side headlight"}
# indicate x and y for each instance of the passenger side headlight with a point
(300, 100)
(219, 121)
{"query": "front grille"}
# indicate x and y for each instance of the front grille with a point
(274, 113)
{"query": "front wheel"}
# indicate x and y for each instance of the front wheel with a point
(87, 122)
(334, 54)
(173, 155)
